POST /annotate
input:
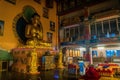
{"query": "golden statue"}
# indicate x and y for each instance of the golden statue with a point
(33, 60)
(34, 31)
(60, 63)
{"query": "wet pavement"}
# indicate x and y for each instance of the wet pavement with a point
(44, 75)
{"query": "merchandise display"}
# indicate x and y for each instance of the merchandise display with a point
(107, 69)
(108, 78)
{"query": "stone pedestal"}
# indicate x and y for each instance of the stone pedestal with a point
(27, 59)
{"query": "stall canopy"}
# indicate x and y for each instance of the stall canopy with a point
(4, 55)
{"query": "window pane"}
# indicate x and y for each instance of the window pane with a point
(76, 31)
(99, 28)
(92, 29)
(72, 32)
(81, 30)
(71, 3)
(64, 34)
(94, 53)
(119, 26)
(106, 27)
(113, 26)
(119, 23)
(67, 32)
(118, 19)
(118, 53)
(78, 2)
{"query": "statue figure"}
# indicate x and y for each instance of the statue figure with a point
(33, 58)
(33, 61)
(34, 31)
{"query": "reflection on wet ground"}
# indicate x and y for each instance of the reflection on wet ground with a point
(44, 75)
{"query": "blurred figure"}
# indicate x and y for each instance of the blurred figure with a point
(91, 74)
(81, 68)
